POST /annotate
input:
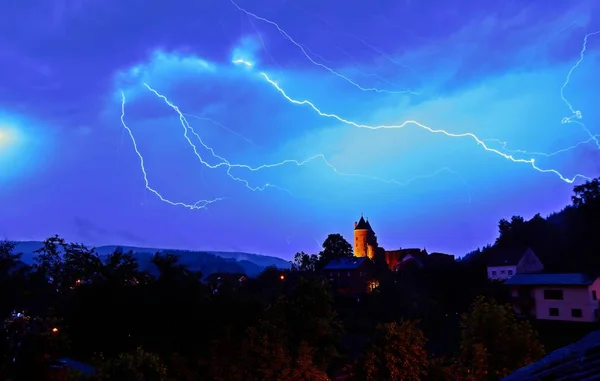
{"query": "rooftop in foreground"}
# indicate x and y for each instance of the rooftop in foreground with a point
(578, 361)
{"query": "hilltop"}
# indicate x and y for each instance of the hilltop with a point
(207, 262)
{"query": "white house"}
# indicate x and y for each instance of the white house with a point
(506, 263)
(566, 297)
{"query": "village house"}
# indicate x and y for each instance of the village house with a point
(351, 275)
(567, 297)
(504, 263)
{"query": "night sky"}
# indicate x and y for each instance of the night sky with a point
(492, 107)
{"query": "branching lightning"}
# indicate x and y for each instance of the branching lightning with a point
(201, 204)
(531, 162)
(223, 162)
(470, 135)
(249, 141)
(309, 57)
(504, 146)
(197, 144)
(576, 114)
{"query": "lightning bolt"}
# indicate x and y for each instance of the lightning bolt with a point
(576, 114)
(223, 127)
(309, 57)
(470, 135)
(201, 204)
(504, 146)
(223, 162)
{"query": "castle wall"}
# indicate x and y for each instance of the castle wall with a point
(361, 243)
(370, 251)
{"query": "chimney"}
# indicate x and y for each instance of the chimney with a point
(355, 223)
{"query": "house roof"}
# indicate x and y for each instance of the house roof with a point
(442, 256)
(362, 224)
(507, 257)
(568, 279)
(578, 361)
(401, 253)
(408, 259)
(346, 263)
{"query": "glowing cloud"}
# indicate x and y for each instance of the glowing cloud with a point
(198, 146)
(8, 138)
(21, 146)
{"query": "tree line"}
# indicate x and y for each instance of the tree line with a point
(446, 323)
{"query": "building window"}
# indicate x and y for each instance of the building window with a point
(553, 311)
(510, 272)
(502, 272)
(493, 273)
(576, 312)
(553, 294)
(596, 314)
(594, 296)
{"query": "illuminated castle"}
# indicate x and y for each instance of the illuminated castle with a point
(365, 245)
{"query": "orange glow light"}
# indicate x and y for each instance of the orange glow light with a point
(282, 277)
(54, 330)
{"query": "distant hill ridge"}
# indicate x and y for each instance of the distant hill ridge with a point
(208, 262)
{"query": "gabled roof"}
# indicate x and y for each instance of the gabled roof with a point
(408, 259)
(568, 279)
(578, 361)
(441, 255)
(506, 257)
(440, 259)
(362, 224)
(401, 253)
(346, 263)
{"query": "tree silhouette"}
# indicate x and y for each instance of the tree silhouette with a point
(308, 315)
(170, 270)
(397, 354)
(305, 262)
(509, 232)
(49, 261)
(335, 246)
(139, 365)
(8, 258)
(81, 265)
(121, 268)
(587, 193)
(491, 328)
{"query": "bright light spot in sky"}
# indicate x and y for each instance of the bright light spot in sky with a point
(22, 146)
(10, 139)
(8, 136)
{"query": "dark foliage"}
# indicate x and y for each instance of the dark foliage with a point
(170, 324)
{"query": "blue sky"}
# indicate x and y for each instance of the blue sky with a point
(284, 96)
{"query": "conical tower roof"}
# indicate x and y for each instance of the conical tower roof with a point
(362, 224)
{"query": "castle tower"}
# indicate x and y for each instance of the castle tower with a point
(362, 238)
